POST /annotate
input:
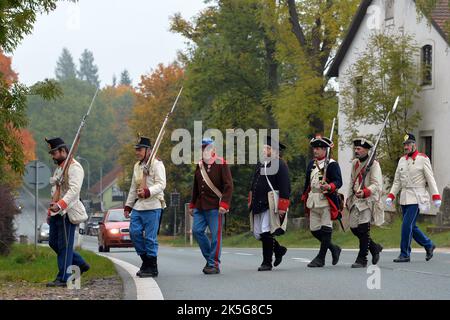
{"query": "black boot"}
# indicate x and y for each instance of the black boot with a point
(375, 250)
(319, 260)
(279, 251)
(148, 270)
(429, 252)
(155, 267)
(267, 247)
(143, 256)
(364, 242)
(334, 249)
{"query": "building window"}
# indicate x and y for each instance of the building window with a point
(427, 65)
(117, 194)
(427, 143)
(358, 83)
(389, 10)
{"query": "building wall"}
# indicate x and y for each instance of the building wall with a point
(434, 100)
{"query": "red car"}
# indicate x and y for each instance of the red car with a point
(114, 231)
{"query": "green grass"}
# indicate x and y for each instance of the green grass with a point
(388, 236)
(24, 263)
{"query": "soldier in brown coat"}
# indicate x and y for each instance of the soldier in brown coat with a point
(211, 198)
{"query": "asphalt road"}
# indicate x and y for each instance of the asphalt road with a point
(181, 277)
(181, 274)
(24, 222)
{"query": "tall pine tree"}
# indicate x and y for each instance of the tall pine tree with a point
(65, 67)
(88, 70)
(125, 79)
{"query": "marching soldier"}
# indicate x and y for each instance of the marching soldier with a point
(321, 199)
(62, 230)
(362, 201)
(145, 204)
(267, 223)
(211, 199)
(413, 173)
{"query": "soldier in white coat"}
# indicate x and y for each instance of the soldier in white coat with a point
(363, 201)
(144, 204)
(66, 213)
(413, 174)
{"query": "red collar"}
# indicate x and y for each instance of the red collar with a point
(413, 156)
(320, 159)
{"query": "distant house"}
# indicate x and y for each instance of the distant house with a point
(433, 103)
(107, 189)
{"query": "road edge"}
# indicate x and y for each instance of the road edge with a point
(146, 288)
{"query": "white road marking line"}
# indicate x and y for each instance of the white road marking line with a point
(244, 254)
(302, 260)
(146, 288)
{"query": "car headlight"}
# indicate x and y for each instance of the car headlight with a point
(43, 234)
(114, 231)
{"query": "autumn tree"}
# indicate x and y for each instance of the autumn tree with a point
(155, 96)
(16, 21)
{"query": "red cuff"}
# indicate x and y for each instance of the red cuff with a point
(304, 197)
(390, 195)
(224, 205)
(191, 206)
(367, 192)
(127, 209)
(436, 197)
(283, 204)
(146, 193)
(333, 187)
(62, 204)
(49, 213)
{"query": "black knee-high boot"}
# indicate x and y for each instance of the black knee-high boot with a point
(325, 240)
(362, 232)
(279, 251)
(335, 249)
(374, 248)
(267, 248)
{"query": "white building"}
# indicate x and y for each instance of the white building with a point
(433, 131)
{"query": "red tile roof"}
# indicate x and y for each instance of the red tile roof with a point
(441, 14)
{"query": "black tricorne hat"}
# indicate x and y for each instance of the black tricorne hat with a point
(143, 142)
(409, 138)
(362, 142)
(55, 144)
(321, 142)
(274, 143)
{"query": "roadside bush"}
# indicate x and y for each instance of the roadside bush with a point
(8, 210)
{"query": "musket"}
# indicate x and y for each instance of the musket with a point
(374, 149)
(327, 158)
(159, 138)
(60, 179)
(327, 162)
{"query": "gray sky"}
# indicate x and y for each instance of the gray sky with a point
(131, 34)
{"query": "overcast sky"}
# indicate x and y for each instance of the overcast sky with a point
(122, 34)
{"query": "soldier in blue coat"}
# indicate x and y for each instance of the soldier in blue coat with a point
(321, 199)
(270, 176)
